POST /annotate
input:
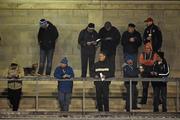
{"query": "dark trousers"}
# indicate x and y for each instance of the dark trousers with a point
(46, 55)
(102, 95)
(87, 56)
(134, 94)
(14, 97)
(145, 85)
(64, 100)
(160, 91)
(111, 59)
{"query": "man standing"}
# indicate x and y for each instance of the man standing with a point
(102, 71)
(131, 41)
(110, 38)
(160, 70)
(47, 37)
(153, 34)
(147, 59)
(63, 71)
(87, 41)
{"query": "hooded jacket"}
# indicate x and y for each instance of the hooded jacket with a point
(64, 86)
(47, 37)
(108, 46)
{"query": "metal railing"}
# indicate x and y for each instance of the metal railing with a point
(130, 80)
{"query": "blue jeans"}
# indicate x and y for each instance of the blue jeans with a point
(64, 100)
(46, 54)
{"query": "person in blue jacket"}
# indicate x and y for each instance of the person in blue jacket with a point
(130, 71)
(63, 71)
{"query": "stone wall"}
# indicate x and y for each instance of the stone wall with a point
(19, 26)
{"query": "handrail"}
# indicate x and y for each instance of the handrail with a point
(121, 79)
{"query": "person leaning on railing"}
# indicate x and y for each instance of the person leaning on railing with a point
(14, 86)
(130, 71)
(160, 70)
(102, 71)
(63, 71)
(146, 60)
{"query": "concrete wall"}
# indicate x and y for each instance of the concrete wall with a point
(19, 26)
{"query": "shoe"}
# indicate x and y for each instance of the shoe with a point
(136, 108)
(155, 110)
(142, 102)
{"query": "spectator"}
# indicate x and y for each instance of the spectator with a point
(110, 38)
(160, 70)
(130, 71)
(63, 71)
(131, 41)
(153, 33)
(47, 37)
(146, 60)
(87, 41)
(102, 71)
(14, 86)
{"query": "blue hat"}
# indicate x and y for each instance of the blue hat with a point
(64, 61)
(129, 57)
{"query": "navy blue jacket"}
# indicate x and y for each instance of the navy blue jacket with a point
(156, 36)
(130, 71)
(64, 86)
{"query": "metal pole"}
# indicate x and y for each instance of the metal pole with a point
(177, 95)
(130, 96)
(83, 104)
(37, 94)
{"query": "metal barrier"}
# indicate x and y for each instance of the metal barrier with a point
(49, 78)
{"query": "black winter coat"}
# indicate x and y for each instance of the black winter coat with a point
(109, 40)
(131, 47)
(47, 37)
(156, 36)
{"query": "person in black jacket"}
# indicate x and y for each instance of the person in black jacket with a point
(47, 37)
(131, 41)
(153, 33)
(160, 70)
(110, 38)
(102, 71)
(87, 41)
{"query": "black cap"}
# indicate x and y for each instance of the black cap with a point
(91, 25)
(131, 25)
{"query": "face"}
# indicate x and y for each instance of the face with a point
(90, 29)
(131, 29)
(149, 23)
(147, 49)
(130, 62)
(102, 57)
(62, 65)
(108, 26)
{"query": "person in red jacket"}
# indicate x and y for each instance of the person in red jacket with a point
(146, 60)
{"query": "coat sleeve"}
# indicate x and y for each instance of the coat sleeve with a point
(57, 73)
(55, 33)
(71, 73)
(81, 40)
(145, 35)
(39, 36)
(117, 37)
(139, 39)
(159, 35)
(124, 39)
